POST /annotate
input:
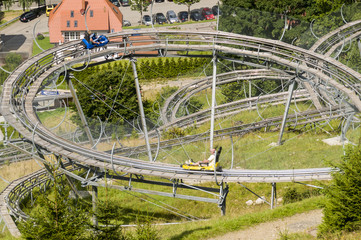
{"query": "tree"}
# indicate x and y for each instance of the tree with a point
(101, 91)
(140, 6)
(342, 206)
(6, 4)
(188, 3)
(12, 60)
(56, 216)
(25, 4)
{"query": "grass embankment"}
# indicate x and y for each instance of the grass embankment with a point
(254, 150)
(43, 43)
(223, 225)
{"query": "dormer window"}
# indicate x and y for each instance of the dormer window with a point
(72, 14)
(91, 13)
(67, 23)
(75, 23)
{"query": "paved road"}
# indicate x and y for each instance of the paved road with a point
(18, 37)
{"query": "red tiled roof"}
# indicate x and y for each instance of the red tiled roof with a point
(106, 17)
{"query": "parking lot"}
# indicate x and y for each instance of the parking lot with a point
(162, 7)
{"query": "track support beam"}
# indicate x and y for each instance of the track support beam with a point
(213, 97)
(142, 115)
(80, 111)
(94, 203)
(274, 196)
(290, 93)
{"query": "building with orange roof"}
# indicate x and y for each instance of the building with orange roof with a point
(71, 18)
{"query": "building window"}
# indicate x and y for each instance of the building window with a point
(72, 14)
(91, 13)
(75, 23)
(67, 23)
(69, 36)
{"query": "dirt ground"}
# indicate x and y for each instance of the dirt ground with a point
(304, 222)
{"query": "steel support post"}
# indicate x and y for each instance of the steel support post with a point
(223, 192)
(80, 111)
(6, 133)
(213, 97)
(290, 92)
(273, 196)
(142, 115)
(345, 128)
(70, 181)
(94, 203)
(250, 93)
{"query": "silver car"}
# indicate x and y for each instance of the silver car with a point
(172, 17)
(146, 20)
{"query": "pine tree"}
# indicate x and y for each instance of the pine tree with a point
(57, 216)
(342, 207)
(160, 68)
(153, 69)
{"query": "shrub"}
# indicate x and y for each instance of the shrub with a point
(292, 195)
(173, 132)
(342, 206)
(40, 36)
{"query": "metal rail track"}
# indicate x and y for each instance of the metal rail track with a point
(20, 90)
(22, 85)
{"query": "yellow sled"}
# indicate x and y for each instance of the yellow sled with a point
(204, 166)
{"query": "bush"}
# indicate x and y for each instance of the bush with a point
(173, 132)
(342, 206)
(40, 36)
(292, 195)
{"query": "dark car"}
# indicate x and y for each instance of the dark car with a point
(125, 2)
(27, 16)
(183, 16)
(159, 18)
(126, 23)
(207, 13)
(196, 15)
(116, 3)
(215, 10)
(159, 0)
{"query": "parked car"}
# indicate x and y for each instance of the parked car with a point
(146, 20)
(126, 23)
(159, 0)
(215, 10)
(28, 16)
(172, 17)
(183, 16)
(125, 3)
(159, 18)
(207, 13)
(196, 15)
(115, 2)
(49, 8)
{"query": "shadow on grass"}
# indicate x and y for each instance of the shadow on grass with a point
(186, 233)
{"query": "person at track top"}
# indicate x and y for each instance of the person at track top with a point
(210, 161)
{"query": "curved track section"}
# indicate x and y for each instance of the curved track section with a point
(22, 86)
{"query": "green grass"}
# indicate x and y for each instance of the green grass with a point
(223, 225)
(44, 44)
